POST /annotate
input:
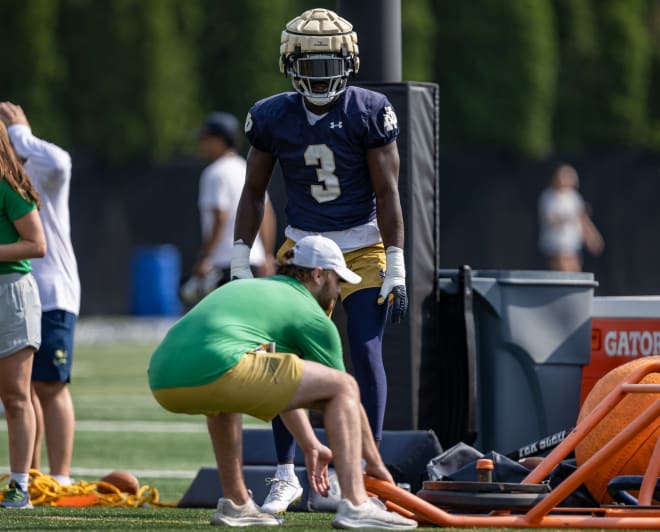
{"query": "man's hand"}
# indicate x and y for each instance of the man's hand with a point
(12, 114)
(394, 285)
(316, 463)
(379, 470)
(240, 261)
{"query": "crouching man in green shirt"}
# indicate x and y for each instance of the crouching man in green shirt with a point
(212, 362)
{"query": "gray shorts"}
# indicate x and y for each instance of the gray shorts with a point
(20, 313)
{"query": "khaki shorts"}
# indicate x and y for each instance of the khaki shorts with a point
(20, 313)
(260, 385)
(367, 262)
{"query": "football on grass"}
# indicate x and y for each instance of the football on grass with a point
(123, 480)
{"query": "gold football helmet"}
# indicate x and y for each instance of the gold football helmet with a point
(319, 50)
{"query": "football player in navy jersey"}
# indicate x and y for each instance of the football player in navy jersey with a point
(336, 146)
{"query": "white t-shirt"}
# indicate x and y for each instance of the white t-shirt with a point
(49, 169)
(220, 187)
(560, 213)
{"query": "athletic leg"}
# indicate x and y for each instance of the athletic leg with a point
(285, 488)
(226, 432)
(51, 373)
(317, 455)
(15, 372)
(59, 424)
(235, 508)
(39, 430)
(285, 445)
(337, 394)
(365, 323)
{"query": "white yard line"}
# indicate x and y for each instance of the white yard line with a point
(91, 474)
(122, 329)
(165, 427)
(82, 473)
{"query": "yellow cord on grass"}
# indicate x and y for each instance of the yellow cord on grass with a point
(45, 490)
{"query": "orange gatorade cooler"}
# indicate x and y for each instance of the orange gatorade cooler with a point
(622, 329)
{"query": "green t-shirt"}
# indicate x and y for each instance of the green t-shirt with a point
(236, 318)
(12, 207)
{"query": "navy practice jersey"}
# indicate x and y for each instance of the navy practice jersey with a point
(324, 165)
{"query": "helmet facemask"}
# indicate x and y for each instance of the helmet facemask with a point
(320, 78)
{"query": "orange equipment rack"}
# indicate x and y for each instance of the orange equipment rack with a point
(546, 514)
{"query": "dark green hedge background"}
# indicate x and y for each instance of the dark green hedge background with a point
(121, 80)
(122, 84)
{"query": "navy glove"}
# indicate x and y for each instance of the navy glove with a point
(394, 284)
(399, 302)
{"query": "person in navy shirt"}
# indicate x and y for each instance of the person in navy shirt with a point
(336, 147)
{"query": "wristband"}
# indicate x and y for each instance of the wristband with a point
(240, 260)
(394, 262)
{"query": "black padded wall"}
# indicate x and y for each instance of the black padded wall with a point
(416, 106)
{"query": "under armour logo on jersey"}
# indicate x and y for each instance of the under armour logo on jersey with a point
(390, 120)
(339, 124)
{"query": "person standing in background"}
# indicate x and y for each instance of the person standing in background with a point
(565, 223)
(220, 186)
(336, 146)
(21, 239)
(49, 168)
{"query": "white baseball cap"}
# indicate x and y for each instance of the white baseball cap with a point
(317, 251)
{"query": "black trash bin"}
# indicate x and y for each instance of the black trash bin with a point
(532, 337)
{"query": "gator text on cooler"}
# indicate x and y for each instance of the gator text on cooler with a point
(632, 343)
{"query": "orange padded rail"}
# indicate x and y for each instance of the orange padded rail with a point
(545, 513)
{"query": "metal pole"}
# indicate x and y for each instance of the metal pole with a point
(378, 26)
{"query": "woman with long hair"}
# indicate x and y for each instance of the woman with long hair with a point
(21, 239)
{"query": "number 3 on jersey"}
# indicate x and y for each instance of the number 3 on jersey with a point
(321, 156)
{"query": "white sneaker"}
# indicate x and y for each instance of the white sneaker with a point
(370, 514)
(230, 514)
(282, 494)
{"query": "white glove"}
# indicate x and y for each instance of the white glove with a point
(240, 261)
(394, 285)
(196, 288)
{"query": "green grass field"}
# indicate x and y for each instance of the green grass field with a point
(120, 426)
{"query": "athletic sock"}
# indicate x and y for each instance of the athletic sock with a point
(285, 471)
(64, 480)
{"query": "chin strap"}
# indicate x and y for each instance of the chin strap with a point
(320, 101)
